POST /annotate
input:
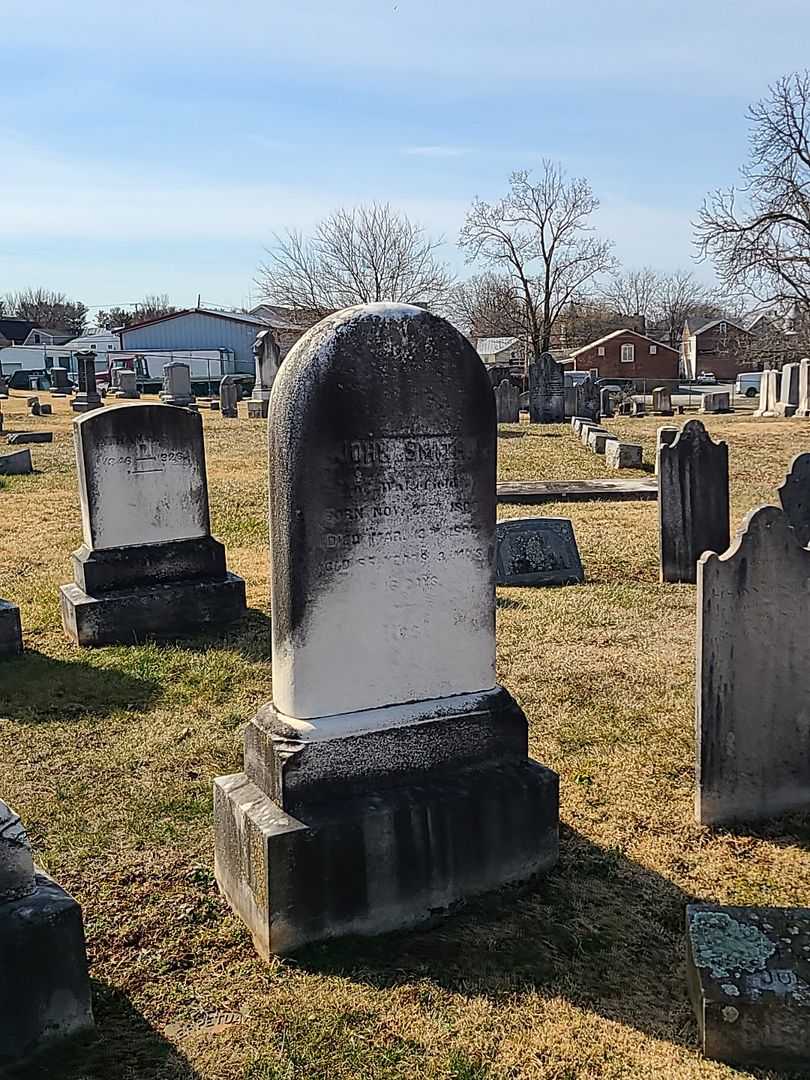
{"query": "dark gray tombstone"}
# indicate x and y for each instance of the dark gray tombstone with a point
(10, 629)
(148, 566)
(17, 438)
(794, 495)
(546, 391)
(748, 971)
(44, 983)
(388, 733)
(506, 402)
(127, 385)
(16, 464)
(606, 403)
(693, 501)
(88, 397)
(228, 398)
(753, 674)
(60, 381)
(537, 551)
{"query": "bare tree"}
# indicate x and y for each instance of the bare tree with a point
(45, 308)
(758, 235)
(152, 306)
(633, 292)
(540, 237)
(680, 295)
(357, 256)
(486, 305)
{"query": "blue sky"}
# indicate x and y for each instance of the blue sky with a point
(156, 147)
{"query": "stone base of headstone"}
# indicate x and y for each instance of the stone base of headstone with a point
(81, 403)
(178, 402)
(257, 410)
(16, 464)
(189, 589)
(339, 827)
(44, 984)
(10, 630)
(785, 409)
(749, 981)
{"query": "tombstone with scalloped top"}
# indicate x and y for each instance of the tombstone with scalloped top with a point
(794, 495)
(753, 674)
(748, 972)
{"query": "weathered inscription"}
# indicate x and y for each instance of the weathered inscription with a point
(401, 502)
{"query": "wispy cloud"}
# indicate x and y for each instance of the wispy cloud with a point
(436, 151)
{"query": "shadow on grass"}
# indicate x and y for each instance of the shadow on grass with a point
(601, 931)
(35, 688)
(126, 1046)
(250, 637)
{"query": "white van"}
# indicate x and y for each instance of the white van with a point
(748, 383)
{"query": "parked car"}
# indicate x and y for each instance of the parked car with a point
(749, 383)
(708, 378)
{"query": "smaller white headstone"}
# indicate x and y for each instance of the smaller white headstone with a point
(177, 384)
(768, 394)
(789, 391)
(804, 389)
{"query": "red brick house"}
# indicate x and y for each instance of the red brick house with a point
(719, 346)
(628, 354)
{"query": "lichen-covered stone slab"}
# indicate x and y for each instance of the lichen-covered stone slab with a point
(748, 971)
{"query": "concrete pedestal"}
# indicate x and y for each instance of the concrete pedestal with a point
(374, 821)
(44, 985)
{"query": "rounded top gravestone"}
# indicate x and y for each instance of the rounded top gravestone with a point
(382, 515)
(141, 475)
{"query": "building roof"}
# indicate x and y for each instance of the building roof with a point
(616, 333)
(709, 324)
(231, 316)
(16, 330)
(284, 318)
(491, 346)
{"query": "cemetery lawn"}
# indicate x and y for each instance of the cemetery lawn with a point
(109, 756)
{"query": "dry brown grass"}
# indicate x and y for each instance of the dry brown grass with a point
(109, 757)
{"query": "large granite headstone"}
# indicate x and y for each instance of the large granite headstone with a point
(748, 970)
(546, 391)
(177, 385)
(127, 385)
(537, 551)
(623, 455)
(44, 983)
(768, 392)
(753, 674)
(794, 495)
(148, 565)
(788, 401)
(389, 778)
(693, 501)
(88, 397)
(60, 381)
(803, 409)
(506, 402)
(10, 629)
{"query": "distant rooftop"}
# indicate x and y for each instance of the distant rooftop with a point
(491, 346)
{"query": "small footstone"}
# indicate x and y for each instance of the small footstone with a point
(537, 551)
(16, 464)
(598, 440)
(748, 971)
(30, 437)
(622, 455)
